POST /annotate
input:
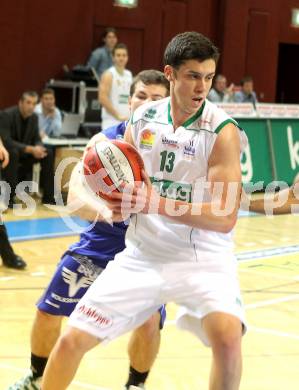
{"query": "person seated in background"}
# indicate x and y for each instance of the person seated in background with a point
(246, 94)
(101, 58)
(9, 258)
(20, 135)
(114, 89)
(49, 117)
(220, 93)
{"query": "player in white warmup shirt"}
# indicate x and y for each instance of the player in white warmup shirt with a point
(114, 89)
(179, 244)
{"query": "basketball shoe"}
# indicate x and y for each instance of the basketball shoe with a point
(27, 383)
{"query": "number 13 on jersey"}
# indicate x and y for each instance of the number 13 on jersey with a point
(167, 161)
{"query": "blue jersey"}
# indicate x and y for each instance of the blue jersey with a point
(116, 132)
(84, 260)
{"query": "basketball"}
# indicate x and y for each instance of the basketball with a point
(109, 164)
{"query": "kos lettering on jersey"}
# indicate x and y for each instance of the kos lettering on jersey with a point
(172, 190)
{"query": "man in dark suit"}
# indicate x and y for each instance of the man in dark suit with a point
(20, 134)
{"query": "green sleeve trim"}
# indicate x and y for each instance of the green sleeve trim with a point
(224, 124)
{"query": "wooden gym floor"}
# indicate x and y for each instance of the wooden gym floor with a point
(268, 251)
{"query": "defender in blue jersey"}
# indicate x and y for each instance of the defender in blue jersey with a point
(84, 261)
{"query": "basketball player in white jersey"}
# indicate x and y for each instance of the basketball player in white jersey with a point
(179, 244)
(114, 89)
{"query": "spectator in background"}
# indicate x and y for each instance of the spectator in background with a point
(101, 58)
(20, 136)
(49, 117)
(9, 258)
(114, 89)
(220, 93)
(246, 94)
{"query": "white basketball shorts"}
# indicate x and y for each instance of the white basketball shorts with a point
(130, 290)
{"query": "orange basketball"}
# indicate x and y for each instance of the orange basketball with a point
(109, 164)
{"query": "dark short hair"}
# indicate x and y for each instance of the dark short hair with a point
(189, 45)
(246, 79)
(119, 46)
(149, 77)
(107, 31)
(28, 93)
(47, 91)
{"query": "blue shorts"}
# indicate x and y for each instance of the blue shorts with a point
(74, 275)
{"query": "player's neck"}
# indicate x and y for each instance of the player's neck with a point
(178, 115)
(120, 69)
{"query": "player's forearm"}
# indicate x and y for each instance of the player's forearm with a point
(81, 203)
(209, 216)
(77, 209)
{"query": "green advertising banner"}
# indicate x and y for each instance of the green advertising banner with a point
(256, 160)
(285, 138)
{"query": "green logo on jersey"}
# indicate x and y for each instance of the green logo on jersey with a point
(150, 113)
(172, 190)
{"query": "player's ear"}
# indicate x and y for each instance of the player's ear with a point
(168, 71)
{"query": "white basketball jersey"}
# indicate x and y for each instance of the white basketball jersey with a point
(119, 94)
(177, 162)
